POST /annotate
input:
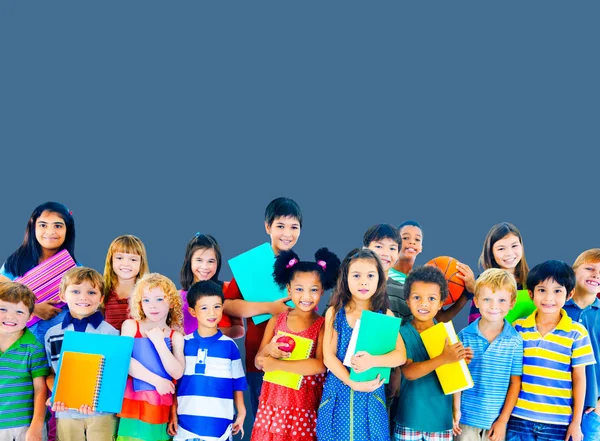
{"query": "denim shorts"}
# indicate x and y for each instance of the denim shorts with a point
(519, 429)
(590, 426)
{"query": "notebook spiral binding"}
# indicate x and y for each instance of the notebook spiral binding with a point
(96, 396)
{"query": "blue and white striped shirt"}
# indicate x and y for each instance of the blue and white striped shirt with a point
(213, 371)
(491, 368)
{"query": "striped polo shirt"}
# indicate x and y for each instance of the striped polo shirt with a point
(19, 365)
(213, 372)
(491, 368)
(546, 386)
(396, 276)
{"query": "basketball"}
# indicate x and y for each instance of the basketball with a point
(456, 285)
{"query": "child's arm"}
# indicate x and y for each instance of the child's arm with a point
(236, 330)
(268, 346)
(310, 366)
(40, 395)
(574, 429)
(363, 361)
(173, 421)
(245, 309)
(173, 362)
(451, 353)
(445, 315)
(238, 424)
(498, 430)
(456, 430)
(335, 365)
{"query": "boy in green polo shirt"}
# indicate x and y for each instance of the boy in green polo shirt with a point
(23, 368)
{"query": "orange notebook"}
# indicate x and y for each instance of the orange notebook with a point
(79, 379)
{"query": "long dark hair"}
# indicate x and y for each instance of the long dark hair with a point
(199, 242)
(341, 295)
(29, 253)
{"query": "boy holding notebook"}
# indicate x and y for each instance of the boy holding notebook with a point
(81, 289)
(483, 411)
(23, 366)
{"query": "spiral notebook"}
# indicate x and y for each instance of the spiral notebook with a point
(74, 389)
(301, 351)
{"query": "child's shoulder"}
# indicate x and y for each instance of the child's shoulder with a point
(54, 331)
(106, 328)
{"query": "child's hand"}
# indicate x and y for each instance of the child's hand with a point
(498, 431)
(468, 355)
(267, 363)
(238, 424)
(453, 353)
(59, 407)
(274, 350)
(164, 386)
(86, 410)
(46, 310)
(574, 432)
(456, 430)
(367, 386)
(279, 307)
(394, 384)
(465, 273)
(34, 433)
(172, 426)
(361, 361)
(156, 336)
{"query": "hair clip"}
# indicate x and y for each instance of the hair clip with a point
(197, 234)
(71, 213)
(292, 262)
(322, 264)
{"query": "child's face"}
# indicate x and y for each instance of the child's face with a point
(155, 304)
(306, 290)
(549, 297)
(126, 266)
(588, 278)
(412, 242)
(13, 317)
(204, 264)
(424, 300)
(493, 305)
(362, 279)
(83, 299)
(284, 232)
(208, 311)
(50, 230)
(387, 250)
(507, 252)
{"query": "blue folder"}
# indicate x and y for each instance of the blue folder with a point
(253, 273)
(145, 352)
(117, 356)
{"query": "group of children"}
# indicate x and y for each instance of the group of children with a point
(534, 379)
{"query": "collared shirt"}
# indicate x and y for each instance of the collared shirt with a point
(590, 318)
(491, 368)
(397, 276)
(19, 365)
(546, 386)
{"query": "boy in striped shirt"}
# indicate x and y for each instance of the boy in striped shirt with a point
(497, 364)
(23, 368)
(556, 352)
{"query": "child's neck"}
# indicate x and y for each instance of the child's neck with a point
(404, 265)
(490, 330)
(583, 299)
(151, 325)
(46, 254)
(421, 326)
(207, 332)
(7, 340)
(81, 317)
(546, 322)
(359, 305)
(124, 288)
(299, 321)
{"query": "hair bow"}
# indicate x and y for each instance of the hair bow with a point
(292, 262)
(322, 264)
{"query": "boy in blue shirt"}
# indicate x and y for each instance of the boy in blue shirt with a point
(584, 308)
(497, 364)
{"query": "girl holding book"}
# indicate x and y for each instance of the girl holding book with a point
(126, 263)
(284, 412)
(156, 309)
(350, 409)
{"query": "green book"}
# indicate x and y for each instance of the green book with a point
(377, 335)
(524, 307)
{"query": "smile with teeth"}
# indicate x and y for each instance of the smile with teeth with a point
(305, 303)
(423, 311)
(9, 323)
(592, 282)
(83, 305)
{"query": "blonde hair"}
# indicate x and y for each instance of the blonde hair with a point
(80, 274)
(14, 292)
(123, 244)
(497, 279)
(589, 256)
(155, 280)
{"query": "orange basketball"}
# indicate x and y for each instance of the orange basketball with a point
(456, 286)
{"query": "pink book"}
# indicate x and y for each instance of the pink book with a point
(44, 279)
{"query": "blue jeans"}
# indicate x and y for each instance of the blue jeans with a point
(519, 429)
(590, 426)
(255, 381)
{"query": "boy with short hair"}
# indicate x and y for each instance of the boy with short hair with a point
(497, 363)
(81, 289)
(556, 351)
(283, 221)
(424, 413)
(584, 308)
(23, 368)
(213, 379)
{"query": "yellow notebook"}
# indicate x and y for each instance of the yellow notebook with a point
(453, 377)
(301, 351)
(79, 379)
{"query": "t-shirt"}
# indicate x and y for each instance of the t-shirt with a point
(590, 318)
(546, 386)
(423, 405)
(116, 310)
(491, 368)
(19, 365)
(397, 276)
(398, 305)
(213, 371)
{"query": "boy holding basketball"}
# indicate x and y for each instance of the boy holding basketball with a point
(483, 411)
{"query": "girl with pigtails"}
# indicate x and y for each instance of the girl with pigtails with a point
(285, 413)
